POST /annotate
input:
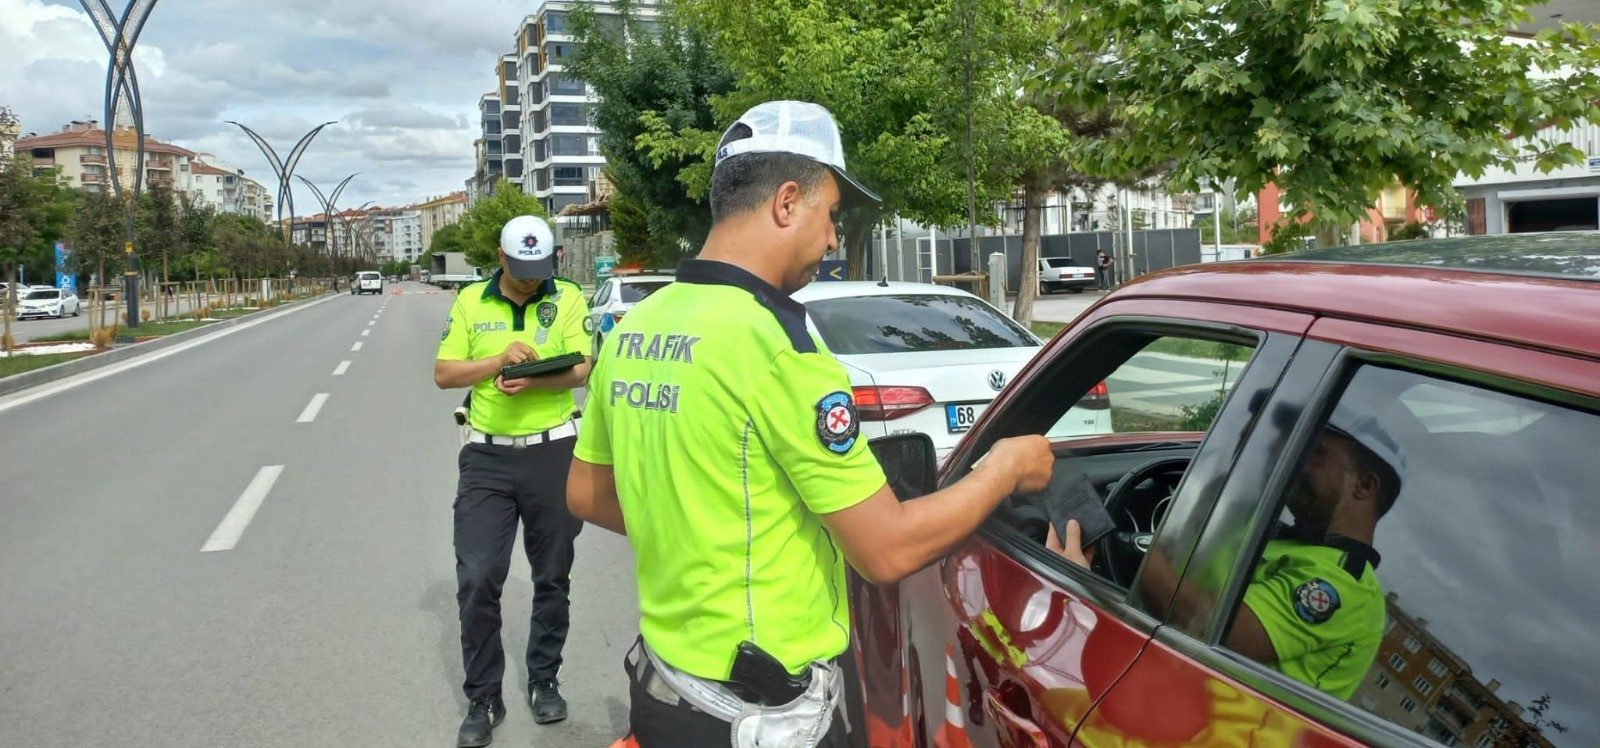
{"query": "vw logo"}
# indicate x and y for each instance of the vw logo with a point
(997, 380)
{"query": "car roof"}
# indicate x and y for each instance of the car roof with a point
(1552, 310)
(849, 289)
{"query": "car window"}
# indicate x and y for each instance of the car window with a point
(1174, 384)
(34, 295)
(1060, 262)
(913, 322)
(633, 293)
(602, 296)
(1476, 624)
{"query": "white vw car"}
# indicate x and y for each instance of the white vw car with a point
(47, 302)
(615, 297)
(926, 358)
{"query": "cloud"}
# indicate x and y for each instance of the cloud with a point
(402, 78)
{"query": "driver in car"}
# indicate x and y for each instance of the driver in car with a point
(1313, 610)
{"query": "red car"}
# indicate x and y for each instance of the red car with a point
(1356, 500)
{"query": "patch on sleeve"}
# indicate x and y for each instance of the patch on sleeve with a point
(1316, 601)
(546, 313)
(837, 428)
(588, 325)
(447, 321)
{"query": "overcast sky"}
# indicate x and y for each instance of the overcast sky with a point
(402, 77)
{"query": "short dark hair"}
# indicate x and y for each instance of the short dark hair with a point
(744, 182)
(1366, 460)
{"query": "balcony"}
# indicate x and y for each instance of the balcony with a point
(92, 177)
(94, 159)
(158, 163)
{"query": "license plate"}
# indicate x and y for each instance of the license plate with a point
(959, 417)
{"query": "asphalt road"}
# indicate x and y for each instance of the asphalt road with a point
(331, 619)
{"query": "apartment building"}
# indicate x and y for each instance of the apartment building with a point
(559, 145)
(397, 233)
(1522, 199)
(439, 212)
(1420, 683)
(490, 146)
(227, 189)
(78, 154)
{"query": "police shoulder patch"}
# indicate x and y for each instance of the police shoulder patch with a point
(588, 325)
(837, 428)
(447, 322)
(1316, 601)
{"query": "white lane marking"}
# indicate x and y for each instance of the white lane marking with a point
(365, 333)
(355, 347)
(312, 408)
(343, 367)
(227, 534)
(115, 369)
(374, 322)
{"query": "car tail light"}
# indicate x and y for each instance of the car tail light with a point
(617, 316)
(1097, 398)
(889, 403)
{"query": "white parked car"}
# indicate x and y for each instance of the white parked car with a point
(1062, 274)
(926, 358)
(367, 281)
(615, 297)
(47, 302)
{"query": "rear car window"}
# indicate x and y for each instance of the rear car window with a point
(633, 293)
(1478, 627)
(367, 276)
(1061, 262)
(913, 322)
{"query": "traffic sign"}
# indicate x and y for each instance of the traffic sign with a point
(602, 269)
(830, 270)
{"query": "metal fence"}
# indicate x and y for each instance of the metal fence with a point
(915, 260)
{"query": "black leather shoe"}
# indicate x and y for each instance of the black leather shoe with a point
(548, 706)
(483, 715)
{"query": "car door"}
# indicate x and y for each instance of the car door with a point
(1490, 513)
(1005, 643)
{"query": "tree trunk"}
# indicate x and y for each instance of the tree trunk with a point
(5, 303)
(857, 245)
(1034, 190)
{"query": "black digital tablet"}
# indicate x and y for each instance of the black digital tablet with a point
(542, 366)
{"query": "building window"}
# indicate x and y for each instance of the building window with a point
(1396, 664)
(555, 22)
(1484, 738)
(1382, 681)
(568, 115)
(1367, 703)
(1422, 685)
(1412, 644)
(1408, 705)
(566, 84)
(569, 145)
(570, 176)
(1437, 668)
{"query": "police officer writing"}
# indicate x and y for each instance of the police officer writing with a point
(1314, 609)
(514, 465)
(721, 438)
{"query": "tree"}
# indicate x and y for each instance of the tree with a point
(888, 74)
(157, 236)
(34, 212)
(669, 72)
(480, 227)
(1333, 101)
(448, 239)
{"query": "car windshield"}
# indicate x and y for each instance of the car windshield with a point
(368, 276)
(913, 322)
(36, 295)
(633, 293)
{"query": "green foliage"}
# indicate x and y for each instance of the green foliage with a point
(1288, 236)
(666, 78)
(35, 213)
(1411, 230)
(1333, 101)
(480, 227)
(448, 239)
(395, 267)
(1237, 228)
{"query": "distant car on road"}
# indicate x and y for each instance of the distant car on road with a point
(1062, 274)
(615, 297)
(47, 302)
(926, 358)
(367, 281)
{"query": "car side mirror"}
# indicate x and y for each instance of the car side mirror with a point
(909, 462)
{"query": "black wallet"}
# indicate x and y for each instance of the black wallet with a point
(542, 366)
(1070, 495)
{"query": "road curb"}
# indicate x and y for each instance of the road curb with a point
(54, 372)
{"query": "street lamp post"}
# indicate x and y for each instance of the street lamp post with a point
(284, 170)
(122, 104)
(328, 203)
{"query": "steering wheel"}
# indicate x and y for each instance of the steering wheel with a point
(1124, 549)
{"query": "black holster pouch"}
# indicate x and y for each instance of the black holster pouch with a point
(760, 678)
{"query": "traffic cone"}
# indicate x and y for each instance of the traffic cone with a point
(627, 742)
(953, 733)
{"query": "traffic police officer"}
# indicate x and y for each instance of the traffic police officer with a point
(721, 437)
(514, 465)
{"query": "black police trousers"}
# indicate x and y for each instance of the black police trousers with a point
(498, 487)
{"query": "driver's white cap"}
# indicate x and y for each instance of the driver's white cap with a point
(798, 127)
